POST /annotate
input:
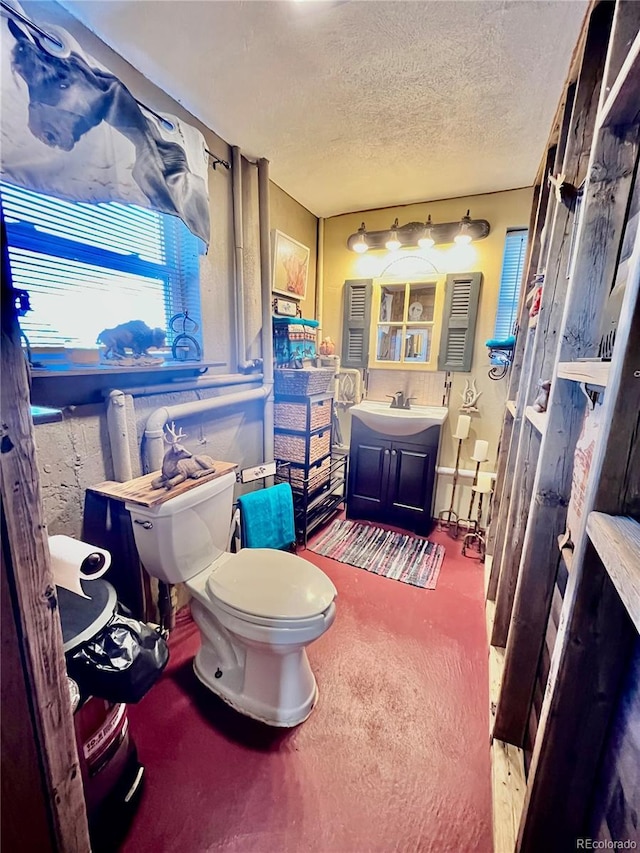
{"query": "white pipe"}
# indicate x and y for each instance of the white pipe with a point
(236, 184)
(197, 384)
(320, 276)
(266, 332)
(154, 429)
(119, 436)
(463, 472)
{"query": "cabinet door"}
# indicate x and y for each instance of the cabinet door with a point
(410, 485)
(368, 478)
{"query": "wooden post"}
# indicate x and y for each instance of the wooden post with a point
(30, 582)
(595, 630)
(605, 207)
(541, 356)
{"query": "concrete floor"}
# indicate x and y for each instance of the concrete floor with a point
(394, 758)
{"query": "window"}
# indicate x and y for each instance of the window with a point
(512, 265)
(405, 322)
(88, 267)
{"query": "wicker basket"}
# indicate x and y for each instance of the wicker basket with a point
(293, 448)
(317, 477)
(294, 415)
(303, 382)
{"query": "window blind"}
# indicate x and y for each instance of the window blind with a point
(512, 265)
(88, 267)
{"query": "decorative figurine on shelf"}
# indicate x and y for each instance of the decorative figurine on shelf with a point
(470, 396)
(179, 463)
(327, 347)
(134, 335)
(542, 400)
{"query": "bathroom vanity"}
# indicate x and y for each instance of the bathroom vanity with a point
(392, 464)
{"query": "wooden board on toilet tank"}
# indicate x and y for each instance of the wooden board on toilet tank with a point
(139, 491)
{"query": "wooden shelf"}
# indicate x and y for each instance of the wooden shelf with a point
(533, 321)
(537, 419)
(511, 407)
(622, 100)
(617, 541)
(592, 372)
(139, 490)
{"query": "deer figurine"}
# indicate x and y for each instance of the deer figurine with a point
(179, 463)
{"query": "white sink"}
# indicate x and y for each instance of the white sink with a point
(382, 418)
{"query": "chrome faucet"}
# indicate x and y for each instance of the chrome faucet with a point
(399, 401)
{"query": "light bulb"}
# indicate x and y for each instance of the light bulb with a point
(426, 241)
(393, 243)
(463, 237)
(360, 244)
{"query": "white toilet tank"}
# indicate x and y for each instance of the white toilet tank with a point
(179, 538)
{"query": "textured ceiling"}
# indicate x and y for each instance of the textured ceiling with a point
(360, 104)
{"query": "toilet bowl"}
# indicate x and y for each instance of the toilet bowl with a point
(256, 610)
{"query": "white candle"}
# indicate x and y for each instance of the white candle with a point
(484, 482)
(462, 430)
(480, 451)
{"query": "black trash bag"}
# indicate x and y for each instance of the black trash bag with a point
(121, 662)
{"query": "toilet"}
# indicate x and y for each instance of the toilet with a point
(257, 610)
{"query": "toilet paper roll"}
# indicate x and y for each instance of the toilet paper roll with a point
(73, 561)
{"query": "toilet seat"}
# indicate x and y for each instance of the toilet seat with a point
(271, 588)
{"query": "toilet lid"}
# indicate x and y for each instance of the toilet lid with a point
(270, 583)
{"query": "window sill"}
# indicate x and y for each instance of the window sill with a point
(74, 384)
(69, 369)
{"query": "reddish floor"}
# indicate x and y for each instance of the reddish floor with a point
(394, 758)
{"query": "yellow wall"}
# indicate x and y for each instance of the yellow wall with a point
(502, 210)
(296, 221)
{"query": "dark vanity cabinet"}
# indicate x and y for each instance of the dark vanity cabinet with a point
(391, 479)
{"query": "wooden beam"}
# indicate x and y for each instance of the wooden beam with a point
(595, 632)
(22, 790)
(606, 201)
(542, 353)
(622, 105)
(617, 542)
(590, 372)
(515, 530)
(31, 584)
(598, 643)
(508, 781)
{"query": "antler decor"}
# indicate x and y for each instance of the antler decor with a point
(179, 463)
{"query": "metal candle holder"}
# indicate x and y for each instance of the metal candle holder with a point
(448, 519)
(470, 523)
(475, 540)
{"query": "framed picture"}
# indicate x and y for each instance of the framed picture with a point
(290, 266)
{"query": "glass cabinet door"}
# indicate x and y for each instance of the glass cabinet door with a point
(422, 300)
(392, 301)
(406, 316)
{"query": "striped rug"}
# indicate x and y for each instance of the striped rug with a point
(401, 556)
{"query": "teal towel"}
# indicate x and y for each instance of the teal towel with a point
(266, 517)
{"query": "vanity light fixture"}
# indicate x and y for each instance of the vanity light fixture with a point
(393, 243)
(422, 234)
(360, 244)
(426, 241)
(463, 237)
